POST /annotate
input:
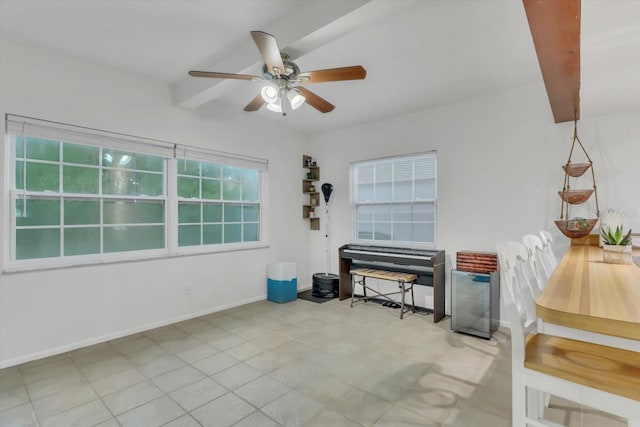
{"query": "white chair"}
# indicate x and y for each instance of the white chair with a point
(514, 256)
(601, 377)
(550, 256)
(539, 272)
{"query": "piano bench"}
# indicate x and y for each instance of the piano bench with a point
(405, 283)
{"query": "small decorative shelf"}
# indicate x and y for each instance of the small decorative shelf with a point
(312, 174)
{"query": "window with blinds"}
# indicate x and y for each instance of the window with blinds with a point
(81, 196)
(394, 199)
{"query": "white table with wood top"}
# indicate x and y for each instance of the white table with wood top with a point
(589, 300)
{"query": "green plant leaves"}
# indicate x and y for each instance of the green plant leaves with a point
(617, 237)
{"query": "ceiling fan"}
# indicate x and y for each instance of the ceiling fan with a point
(283, 77)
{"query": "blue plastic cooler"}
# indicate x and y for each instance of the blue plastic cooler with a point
(282, 283)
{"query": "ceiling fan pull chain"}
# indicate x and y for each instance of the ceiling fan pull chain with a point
(283, 96)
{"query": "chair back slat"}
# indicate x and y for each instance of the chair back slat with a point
(547, 249)
(539, 272)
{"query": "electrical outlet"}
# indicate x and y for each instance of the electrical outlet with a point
(187, 290)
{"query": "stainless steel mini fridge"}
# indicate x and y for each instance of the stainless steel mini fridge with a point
(475, 303)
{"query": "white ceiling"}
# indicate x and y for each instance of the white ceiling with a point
(418, 53)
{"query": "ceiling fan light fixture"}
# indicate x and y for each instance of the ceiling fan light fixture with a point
(269, 94)
(275, 107)
(279, 73)
(295, 98)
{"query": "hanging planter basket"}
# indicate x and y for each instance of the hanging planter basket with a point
(575, 197)
(576, 228)
(576, 170)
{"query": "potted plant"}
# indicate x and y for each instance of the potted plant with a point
(616, 248)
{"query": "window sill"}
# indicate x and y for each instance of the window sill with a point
(139, 258)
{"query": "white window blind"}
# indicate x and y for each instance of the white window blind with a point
(394, 199)
(36, 128)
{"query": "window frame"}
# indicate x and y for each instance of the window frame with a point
(353, 169)
(220, 247)
(101, 139)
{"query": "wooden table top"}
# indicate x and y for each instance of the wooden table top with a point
(585, 293)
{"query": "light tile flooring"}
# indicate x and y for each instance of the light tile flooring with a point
(268, 364)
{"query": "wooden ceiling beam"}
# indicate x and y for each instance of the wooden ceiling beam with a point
(555, 28)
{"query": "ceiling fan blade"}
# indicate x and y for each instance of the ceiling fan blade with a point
(315, 101)
(356, 72)
(255, 104)
(212, 74)
(268, 48)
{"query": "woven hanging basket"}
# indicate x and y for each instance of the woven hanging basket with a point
(575, 197)
(576, 227)
(576, 169)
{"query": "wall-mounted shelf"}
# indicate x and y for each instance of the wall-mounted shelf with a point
(311, 175)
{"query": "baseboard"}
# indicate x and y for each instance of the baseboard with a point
(97, 340)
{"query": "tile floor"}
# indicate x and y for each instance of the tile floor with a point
(268, 364)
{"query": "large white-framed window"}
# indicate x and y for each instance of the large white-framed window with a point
(76, 200)
(394, 200)
(81, 196)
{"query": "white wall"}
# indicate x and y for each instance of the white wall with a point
(500, 160)
(46, 312)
